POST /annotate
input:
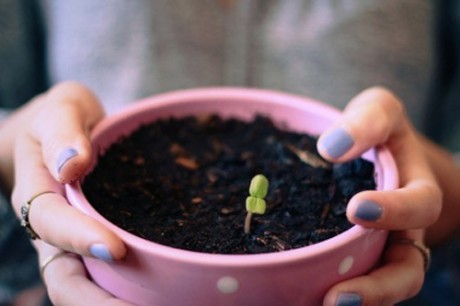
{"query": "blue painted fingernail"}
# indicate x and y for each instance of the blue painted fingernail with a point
(100, 251)
(65, 155)
(337, 143)
(368, 211)
(349, 299)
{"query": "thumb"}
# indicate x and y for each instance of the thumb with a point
(62, 127)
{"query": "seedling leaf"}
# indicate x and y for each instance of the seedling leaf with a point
(256, 205)
(259, 186)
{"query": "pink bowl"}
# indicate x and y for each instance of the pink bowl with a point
(153, 274)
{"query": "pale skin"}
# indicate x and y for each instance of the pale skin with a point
(63, 117)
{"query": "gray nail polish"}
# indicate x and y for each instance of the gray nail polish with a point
(349, 299)
(368, 211)
(64, 157)
(337, 143)
(100, 251)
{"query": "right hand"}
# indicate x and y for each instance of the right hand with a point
(376, 117)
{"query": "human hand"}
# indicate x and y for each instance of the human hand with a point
(51, 148)
(376, 117)
(67, 281)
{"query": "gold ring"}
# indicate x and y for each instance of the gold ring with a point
(51, 258)
(25, 208)
(424, 251)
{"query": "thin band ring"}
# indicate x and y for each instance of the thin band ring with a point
(51, 258)
(424, 251)
(25, 208)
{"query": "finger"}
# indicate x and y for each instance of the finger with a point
(400, 277)
(62, 128)
(368, 120)
(67, 283)
(50, 216)
(377, 117)
(416, 204)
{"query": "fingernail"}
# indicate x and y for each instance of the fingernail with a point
(349, 299)
(368, 211)
(100, 251)
(337, 143)
(65, 155)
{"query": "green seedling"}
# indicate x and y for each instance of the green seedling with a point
(255, 202)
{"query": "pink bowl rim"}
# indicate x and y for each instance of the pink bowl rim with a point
(319, 249)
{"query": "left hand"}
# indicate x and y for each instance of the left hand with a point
(50, 140)
(376, 117)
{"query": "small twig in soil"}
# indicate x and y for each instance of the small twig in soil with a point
(176, 149)
(255, 203)
(187, 163)
(280, 244)
(308, 157)
(197, 200)
(325, 212)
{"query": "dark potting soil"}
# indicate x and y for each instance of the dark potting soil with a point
(183, 183)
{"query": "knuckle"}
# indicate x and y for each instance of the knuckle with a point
(70, 93)
(379, 110)
(434, 193)
(388, 102)
(70, 86)
(437, 203)
(75, 98)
